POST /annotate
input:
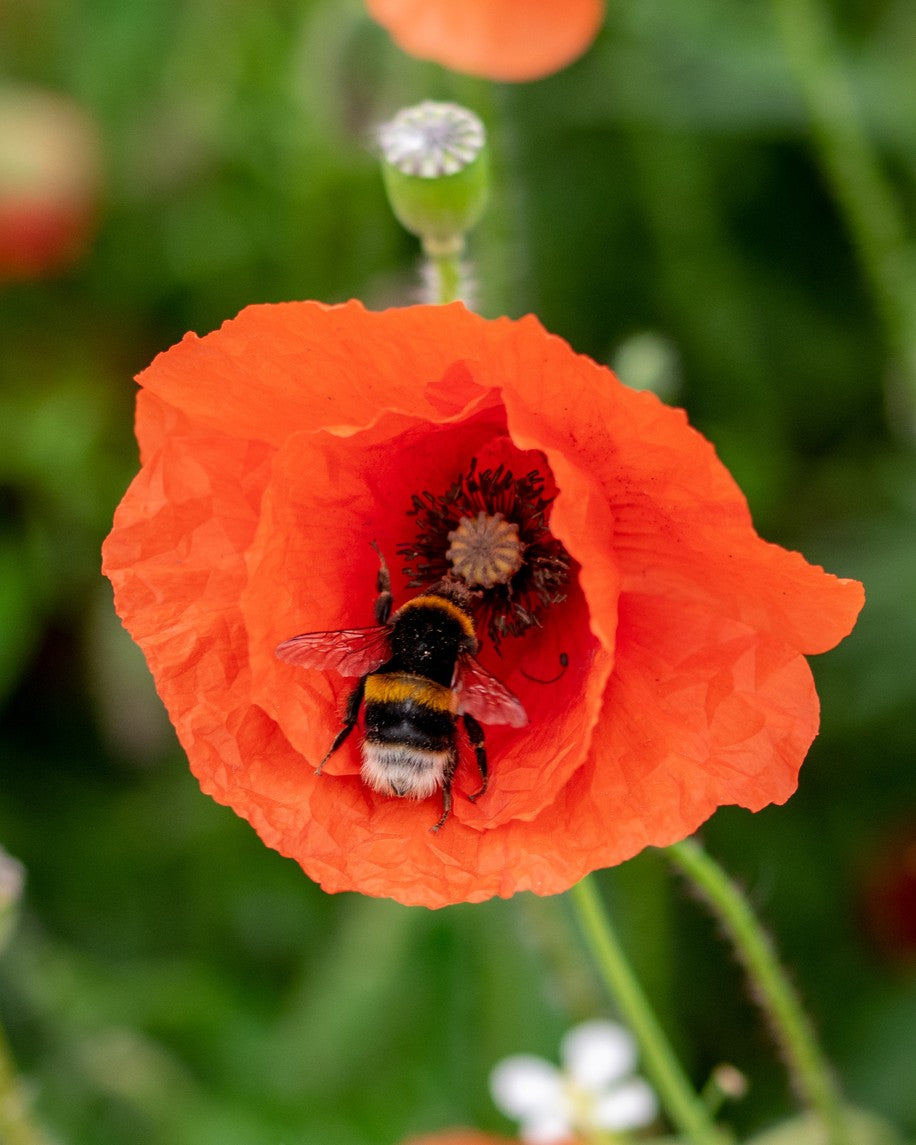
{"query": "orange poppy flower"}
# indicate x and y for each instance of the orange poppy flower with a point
(276, 451)
(509, 40)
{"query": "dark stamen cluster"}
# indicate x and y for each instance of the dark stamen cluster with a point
(512, 607)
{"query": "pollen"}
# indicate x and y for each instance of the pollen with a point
(485, 551)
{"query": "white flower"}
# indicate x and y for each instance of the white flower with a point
(595, 1090)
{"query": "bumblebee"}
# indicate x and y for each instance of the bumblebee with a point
(417, 675)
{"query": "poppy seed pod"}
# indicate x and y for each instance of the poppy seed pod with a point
(436, 171)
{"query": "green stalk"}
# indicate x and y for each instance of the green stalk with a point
(684, 1107)
(874, 215)
(808, 1066)
(445, 267)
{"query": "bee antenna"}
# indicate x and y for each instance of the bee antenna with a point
(564, 664)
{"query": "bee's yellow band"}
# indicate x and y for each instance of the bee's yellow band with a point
(399, 686)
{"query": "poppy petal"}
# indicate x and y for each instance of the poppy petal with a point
(325, 367)
(681, 525)
(700, 712)
(509, 40)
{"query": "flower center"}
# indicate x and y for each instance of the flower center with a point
(484, 550)
(489, 531)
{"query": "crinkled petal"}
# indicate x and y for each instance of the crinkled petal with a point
(176, 561)
(630, 1105)
(700, 712)
(597, 1053)
(275, 369)
(681, 527)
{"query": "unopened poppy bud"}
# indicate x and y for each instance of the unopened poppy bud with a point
(436, 172)
(726, 1083)
(730, 1081)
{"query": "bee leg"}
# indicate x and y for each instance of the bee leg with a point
(383, 587)
(446, 791)
(475, 735)
(354, 703)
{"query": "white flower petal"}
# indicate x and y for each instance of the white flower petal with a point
(597, 1053)
(524, 1086)
(627, 1106)
(549, 1129)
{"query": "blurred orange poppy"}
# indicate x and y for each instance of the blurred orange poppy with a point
(510, 40)
(277, 449)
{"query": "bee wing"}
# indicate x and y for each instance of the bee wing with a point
(484, 697)
(351, 651)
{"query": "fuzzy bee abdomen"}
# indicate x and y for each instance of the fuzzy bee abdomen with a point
(408, 772)
(410, 736)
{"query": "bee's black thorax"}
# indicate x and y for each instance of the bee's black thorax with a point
(427, 636)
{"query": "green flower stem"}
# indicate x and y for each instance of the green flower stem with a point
(684, 1107)
(809, 1068)
(16, 1127)
(873, 212)
(445, 268)
(725, 1084)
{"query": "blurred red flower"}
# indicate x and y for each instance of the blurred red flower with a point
(459, 1137)
(50, 179)
(510, 40)
(275, 450)
(888, 895)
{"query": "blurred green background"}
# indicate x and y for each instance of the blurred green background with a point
(664, 204)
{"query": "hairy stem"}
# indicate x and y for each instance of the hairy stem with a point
(874, 215)
(684, 1107)
(444, 273)
(809, 1068)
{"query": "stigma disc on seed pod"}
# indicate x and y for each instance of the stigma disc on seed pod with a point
(485, 550)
